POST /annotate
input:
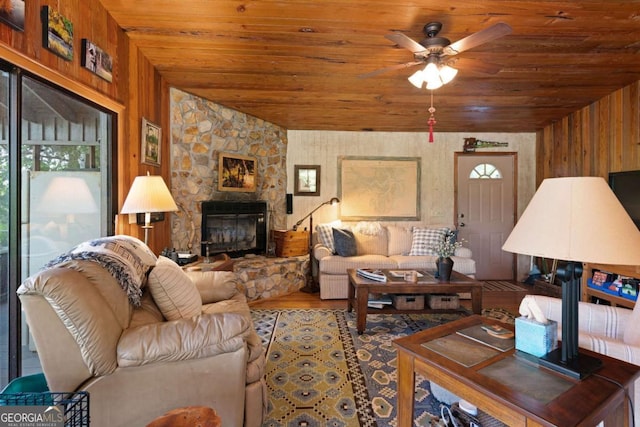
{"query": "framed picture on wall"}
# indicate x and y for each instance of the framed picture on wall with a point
(57, 33)
(379, 188)
(237, 172)
(151, 143)
(12, 13)
(306, 180)
(96, 60)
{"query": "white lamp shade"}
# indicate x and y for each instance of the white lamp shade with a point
(447, 73)
(417, 79)
(148, 194)
(434, 84)
(576, 219)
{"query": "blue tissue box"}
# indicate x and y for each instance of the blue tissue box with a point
(536, 338)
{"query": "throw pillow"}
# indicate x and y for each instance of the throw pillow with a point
(325, 234)
(400, 239)
(368, 228)
(173, 291)
(214, 286)
(345, 242)
(425, 239)
(372, 245)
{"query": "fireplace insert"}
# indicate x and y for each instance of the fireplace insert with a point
(234, 228)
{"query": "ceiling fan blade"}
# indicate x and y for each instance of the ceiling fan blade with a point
(476, 39)
(391, 68)
(477, 66)
(405, 42)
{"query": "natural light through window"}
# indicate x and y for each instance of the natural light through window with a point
(485, 171)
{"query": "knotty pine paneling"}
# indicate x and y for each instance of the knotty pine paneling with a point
(90, 20)
(137, 90)
(600, 138)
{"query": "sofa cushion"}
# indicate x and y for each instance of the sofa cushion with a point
(214, 286)
(173, 291)
(425, 239)
(466, 266)
(400, 239)
(325, 234)
(335, 264)
(372, 245)
(345, 242)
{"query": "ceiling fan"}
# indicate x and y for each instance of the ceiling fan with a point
(438, 53)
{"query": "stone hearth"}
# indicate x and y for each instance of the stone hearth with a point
(266, 277)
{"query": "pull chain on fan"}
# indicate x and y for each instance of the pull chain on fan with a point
(432, 119)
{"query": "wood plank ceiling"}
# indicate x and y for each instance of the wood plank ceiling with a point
(297, 63)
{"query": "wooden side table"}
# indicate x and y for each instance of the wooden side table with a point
(512, 390)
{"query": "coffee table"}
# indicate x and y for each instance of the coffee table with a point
(360, 288)
(515, 390)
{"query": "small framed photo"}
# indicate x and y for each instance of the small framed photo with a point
(96, 60)
(151, 143)
(306, 180)
(237, 172)
(12, 13)
(57, 33)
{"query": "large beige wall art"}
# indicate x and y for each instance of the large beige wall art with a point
(379, 188)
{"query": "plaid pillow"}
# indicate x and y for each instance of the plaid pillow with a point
(424, 239)
(325, 234)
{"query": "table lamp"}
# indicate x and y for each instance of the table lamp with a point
(148, 194)
(575, 219)
(311, 286)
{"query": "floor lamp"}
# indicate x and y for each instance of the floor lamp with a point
(311, 286)
(576, 219)
(148, 194)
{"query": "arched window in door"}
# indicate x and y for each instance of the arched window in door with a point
(485, 171)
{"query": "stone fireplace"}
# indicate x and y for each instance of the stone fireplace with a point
(233, 227)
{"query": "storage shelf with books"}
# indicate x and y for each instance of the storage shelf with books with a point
(615, 300)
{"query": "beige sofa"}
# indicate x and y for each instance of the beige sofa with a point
(378, 246)
(180, 339)
(612, 331)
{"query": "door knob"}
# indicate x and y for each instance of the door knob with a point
(462, 224)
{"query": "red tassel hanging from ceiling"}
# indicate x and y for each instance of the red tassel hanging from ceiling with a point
(432, 119)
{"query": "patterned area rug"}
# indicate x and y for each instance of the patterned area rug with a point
(320, 372)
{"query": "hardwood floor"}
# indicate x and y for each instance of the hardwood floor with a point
(508, 300)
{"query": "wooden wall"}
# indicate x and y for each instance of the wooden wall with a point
(136, 90)
(600, 138)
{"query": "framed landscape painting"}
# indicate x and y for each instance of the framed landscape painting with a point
(12, 13)
(96, 60)
(379, 188)
(237, 172)
(151, 140)
(306, 180)
(57, 33)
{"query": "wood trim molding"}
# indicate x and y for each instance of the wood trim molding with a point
(48, 74)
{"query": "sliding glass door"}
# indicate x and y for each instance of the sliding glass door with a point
(54, 194)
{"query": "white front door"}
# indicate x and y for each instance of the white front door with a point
(485, 210)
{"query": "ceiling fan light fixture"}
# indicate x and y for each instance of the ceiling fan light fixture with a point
(431, 72)
(434, 84)
(417, 79)
(447, 73)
